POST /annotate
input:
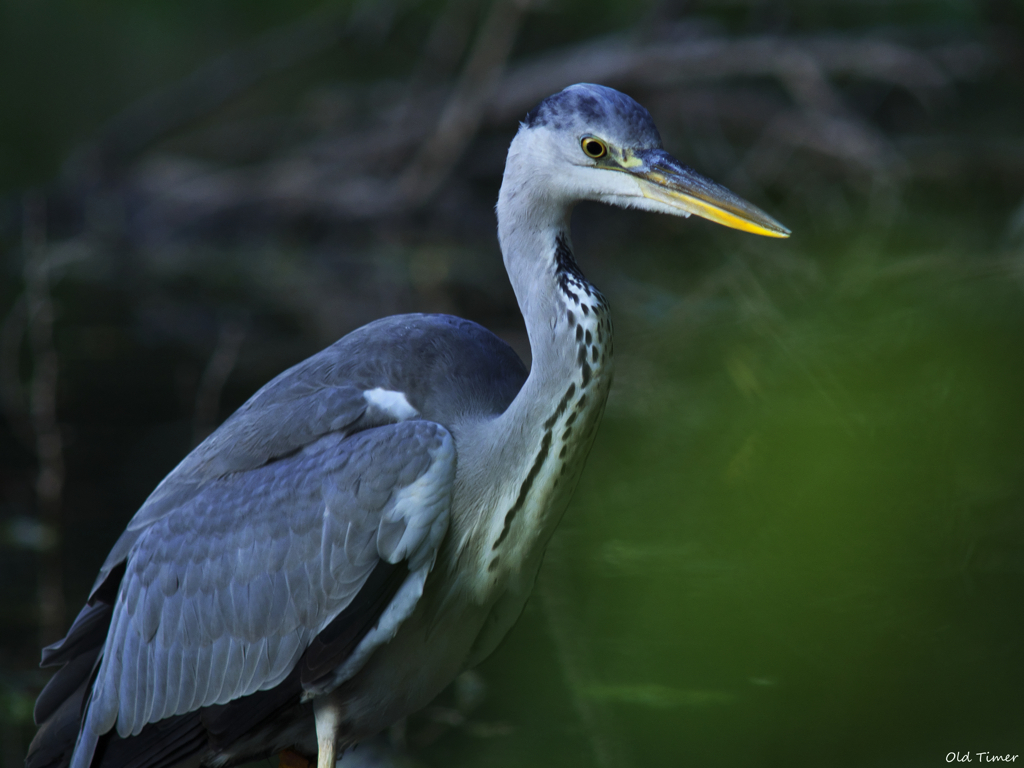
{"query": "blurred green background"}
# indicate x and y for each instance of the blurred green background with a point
(799, 540)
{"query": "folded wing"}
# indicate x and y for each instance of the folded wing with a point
(223, 594)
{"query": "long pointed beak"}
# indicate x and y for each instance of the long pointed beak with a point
(665, 179)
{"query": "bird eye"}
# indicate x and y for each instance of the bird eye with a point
(593, 147)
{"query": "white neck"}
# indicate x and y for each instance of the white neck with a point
(534, 233)
(549, 427)
(542, 439)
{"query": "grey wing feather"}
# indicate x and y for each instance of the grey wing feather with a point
(284, 416)
(283, 549)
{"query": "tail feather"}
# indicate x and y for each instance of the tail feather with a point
(55, 739)
(61, 739)
(71, 680)
(85, 746)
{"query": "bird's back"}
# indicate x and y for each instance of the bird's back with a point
(449, 368)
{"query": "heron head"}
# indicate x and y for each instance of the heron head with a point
(591, 142)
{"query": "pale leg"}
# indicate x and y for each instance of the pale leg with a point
(327, 716)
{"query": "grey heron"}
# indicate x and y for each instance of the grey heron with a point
(370, 523)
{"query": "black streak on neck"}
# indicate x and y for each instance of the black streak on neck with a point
(566, 268)
(571, 280)
(562, 405)
(524, 489)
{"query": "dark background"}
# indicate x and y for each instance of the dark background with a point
(799, 540)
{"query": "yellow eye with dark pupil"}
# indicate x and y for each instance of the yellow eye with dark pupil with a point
(594, 148)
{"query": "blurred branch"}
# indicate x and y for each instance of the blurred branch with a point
(405, 141)
(465, 109)
(341, 176)
(43, 415)
(230, 75)
(573, 658)
(12, 395)
(446, 42)
(799, 63)
(442, 51)
(215, 376)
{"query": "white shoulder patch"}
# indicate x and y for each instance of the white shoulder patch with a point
(392, 403)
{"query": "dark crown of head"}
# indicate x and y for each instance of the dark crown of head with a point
(596, 108)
